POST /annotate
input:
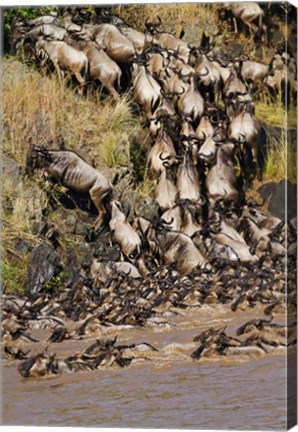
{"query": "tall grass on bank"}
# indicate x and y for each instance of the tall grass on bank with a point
(41, 108)
(281, 159)
(37, 109)
(275, 114)
(197, 17)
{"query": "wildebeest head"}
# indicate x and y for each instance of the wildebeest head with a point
(153, 27)
(37, 157)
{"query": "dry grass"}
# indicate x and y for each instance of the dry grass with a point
(39, 108)
(281, 160)
(198, 17)
(14, 262)
(42, 108)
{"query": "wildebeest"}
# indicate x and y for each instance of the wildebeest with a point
(101, 67)
(191, 104)
(73, 172)
(146, 90)
(178, 249)
(64, 57)
(119, 47)
(247, 13)
(244, 130)
(221, 181)
(125, 235)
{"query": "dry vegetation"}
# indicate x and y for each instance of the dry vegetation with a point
(41, 108)
(110, 135)
(196, 17)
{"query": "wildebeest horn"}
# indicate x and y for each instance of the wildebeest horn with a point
(201, 201)
(244, 57)
(213, 119)
(180, 74)
(205, 74)
(167, 223)
(165, 158)
(193, 137)
(181, 92)
(216, 133)
(191, 46)
(220, 61)
(148, 23)
(204, 135)
(243, 138)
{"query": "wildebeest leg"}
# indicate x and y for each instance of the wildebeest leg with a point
(235, 25)
(81, 82)
(111, 89)
(245, 165)
(256, 165)
(58, 70)
(253, 29)
(97, 195)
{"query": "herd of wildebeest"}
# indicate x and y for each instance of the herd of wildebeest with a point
(210, 244)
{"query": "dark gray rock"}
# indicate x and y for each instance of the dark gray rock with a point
(73, 225)
(74, 222)
(43, 264)
(134, 203)
(106, 252)
(12, 172)
(266, 190)
(277, 201)
(85, 253)
(47, 231)
(147, 208)
(22, 246)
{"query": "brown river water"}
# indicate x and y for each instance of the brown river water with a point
(169, 391)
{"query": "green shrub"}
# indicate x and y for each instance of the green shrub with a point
(12, 13)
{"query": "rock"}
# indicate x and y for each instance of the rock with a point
(147, 208)
(134, 203)
(235, 49)
(72, 222)
(277, 38)
(21, 196)
(266, 190)
(106, 252)
(11, 171)
(85, 253)
(22, 246)
(274, 194)
(47, 231)
(74, 225)
(43, 264)
(276, 204)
